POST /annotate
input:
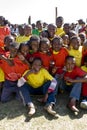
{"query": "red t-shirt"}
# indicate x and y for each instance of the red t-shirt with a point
(59, 58)
(30, 57)
(84, 89)
(4, 31)
(14, 72)
(77, 72)
(84, 53)
(46, 58)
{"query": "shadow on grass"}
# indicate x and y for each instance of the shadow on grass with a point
(11, 109)
(15, 109)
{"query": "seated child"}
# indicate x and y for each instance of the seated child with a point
(38, 81)
(12, 72)
(83, 103)
(72, 82)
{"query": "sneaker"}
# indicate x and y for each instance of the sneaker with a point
(83, 104)
(49, 109)
(31, 110)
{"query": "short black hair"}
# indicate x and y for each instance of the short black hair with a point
(70, 57)
(14, 45)
(23, 44)
(37, 58)
(34, 38)
(85, 58)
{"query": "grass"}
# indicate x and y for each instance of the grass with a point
(13, 116)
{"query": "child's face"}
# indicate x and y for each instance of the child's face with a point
(21, 31)
(36, 66)
(34, 46)
(27, 31)
(13, 52)
(70, 63)
(8, 41)
(65, 40)
(66, 28)
(51, 31)
(59, 22)
(39, 26)
(82, 37)
(57, 45)
(25, 50)
(44, 47)
(75, 43)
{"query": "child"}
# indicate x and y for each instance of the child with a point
(34, 47)
(20, 37)
(44, 52)
(76, 50)
(65, 38)
(34, 44)
(72, 82)
(7, 40)
(83, 103)
(82, 37)
(4, 31)
(51, 30)
(59, 53)
(39, 81)
(38, 29)
(4, 51)
(12, 72)
(59, 23)
(27, 33)
(84, 51)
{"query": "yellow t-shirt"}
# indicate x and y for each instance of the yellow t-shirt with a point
(37, 80)
(60, 32)
(25, 38)
(77, 54)
(2, 76)
(54, 52)
(84, 68)
(19, 39)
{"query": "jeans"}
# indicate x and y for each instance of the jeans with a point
(59, 84)
(26, 90)
(74, 89)
(9, 88)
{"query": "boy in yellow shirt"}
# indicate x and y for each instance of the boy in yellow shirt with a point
(76, 50)
(39, 81)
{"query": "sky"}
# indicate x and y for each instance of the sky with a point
(18, 11)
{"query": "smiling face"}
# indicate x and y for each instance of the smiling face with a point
(27, 30)
(59, 21)
(51, 30)
(44, 47)
(36, 65)
(34, 46)
(25, 50)
(70, 63)
(57, 44)
(75, 43)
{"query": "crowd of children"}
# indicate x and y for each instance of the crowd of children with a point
(37, 59)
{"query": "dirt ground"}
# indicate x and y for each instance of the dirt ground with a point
(13, 116)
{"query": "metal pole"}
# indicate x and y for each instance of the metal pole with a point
(56, 14)
(29, 20)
